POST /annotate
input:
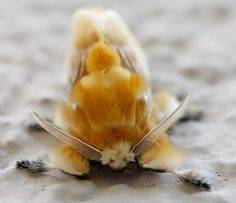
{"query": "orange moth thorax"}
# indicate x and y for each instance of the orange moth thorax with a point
(109, 101)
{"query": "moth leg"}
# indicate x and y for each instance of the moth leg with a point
(34, 166)
(64, 158)
(194, 178)
(162, 156)
(69, 160)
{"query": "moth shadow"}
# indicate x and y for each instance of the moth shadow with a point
(133, 176)
(137, 177)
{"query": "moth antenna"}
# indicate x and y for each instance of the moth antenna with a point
(194, 178)
(37, 167)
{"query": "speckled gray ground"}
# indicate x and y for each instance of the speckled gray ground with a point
(190, 45)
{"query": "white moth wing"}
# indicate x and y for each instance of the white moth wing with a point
(118, 35)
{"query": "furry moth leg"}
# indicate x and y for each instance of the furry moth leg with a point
(64, 158)
(35, 166)
(194, 178)
(69, 160)
(162, 156)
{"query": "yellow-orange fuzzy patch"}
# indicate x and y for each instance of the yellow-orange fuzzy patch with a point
(70, 160)
(162, 155)
(101, 57)
(108, 99)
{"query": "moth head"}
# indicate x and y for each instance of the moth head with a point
(118, 156)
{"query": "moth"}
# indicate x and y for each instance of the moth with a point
(110, 116)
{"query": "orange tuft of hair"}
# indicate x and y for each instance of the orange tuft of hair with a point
(101, 57)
